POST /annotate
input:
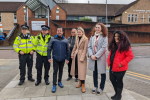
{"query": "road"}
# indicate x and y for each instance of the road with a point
(137, 77)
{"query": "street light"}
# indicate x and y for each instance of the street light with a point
(106, 13)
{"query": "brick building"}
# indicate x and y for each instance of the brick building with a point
(38, 12)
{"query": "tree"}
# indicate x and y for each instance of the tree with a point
(61, 1)
(86, 19)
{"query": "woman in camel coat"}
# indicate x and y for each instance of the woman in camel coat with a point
(79, 58)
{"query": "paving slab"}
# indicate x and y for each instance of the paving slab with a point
(36, 91)
(11, 93)
(45, 98)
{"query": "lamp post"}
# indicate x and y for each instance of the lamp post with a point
(106, 13)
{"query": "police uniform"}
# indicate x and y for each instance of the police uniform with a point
(41, 44)
(24, 43)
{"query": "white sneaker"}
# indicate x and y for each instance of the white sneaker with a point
(94, 90)
(99, 91)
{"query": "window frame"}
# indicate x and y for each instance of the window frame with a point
(129, 18)
(25, 18)
(57, 16)
(136, 17)
(132, 18)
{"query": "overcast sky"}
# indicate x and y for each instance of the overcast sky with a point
(91, 1)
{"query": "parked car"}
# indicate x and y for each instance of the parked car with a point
(2, 36)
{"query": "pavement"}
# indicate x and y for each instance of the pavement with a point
(28, 91)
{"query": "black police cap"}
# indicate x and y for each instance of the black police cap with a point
(44, 27)
(25, 27)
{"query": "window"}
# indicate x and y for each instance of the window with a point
(25, 9)
(57, 17)
(25, 17)
(128, 17)
(135, 17)
(41, 13)
(57, 10)
(120, 18)
(0, 18)
(132, 18)
(15, 18)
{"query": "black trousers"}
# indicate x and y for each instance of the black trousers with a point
(39, 64)
(57, 66)
(95, 78)
(69, 68)
(23, 60)
(116, 79)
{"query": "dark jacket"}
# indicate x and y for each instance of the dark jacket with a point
(71, 41)
(60, 48)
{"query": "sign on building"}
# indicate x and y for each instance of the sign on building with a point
(36, 25)
(1, 29)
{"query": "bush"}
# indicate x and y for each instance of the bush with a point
(86, 19)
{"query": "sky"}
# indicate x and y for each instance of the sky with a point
(91, 1)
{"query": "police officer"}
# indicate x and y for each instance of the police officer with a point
(24, 46)
(41, 44)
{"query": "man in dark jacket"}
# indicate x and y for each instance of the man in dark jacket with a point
(59, 45)
(71, 41)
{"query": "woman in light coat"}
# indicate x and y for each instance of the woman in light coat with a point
(97, 55)
(79, 58)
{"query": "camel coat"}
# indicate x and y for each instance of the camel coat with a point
(80, 49)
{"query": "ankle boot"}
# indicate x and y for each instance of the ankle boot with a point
(79, 85)
(83, 88)
(118, 95)
(115, 93)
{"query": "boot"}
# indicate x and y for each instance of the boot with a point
(83, 88)
(79, 85)
(115, 93)
(118, 95)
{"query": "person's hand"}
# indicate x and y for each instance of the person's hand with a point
(72, 57)
(93, 57)
(22, 53)
(49, 60)
(120, 65)
(67, 61)
(31, 52)
(69, 45)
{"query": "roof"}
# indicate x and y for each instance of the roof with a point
(10, 6)
(35, 4)
(126, 7)
(80, 9)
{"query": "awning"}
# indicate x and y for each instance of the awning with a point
(35, 4)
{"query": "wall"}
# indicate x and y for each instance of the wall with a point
(62, 13)
(7, 21)
(137, 28)
(36, 19)
(134, 37)
(141, 5)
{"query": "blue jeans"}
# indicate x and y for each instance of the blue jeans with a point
(95, 78)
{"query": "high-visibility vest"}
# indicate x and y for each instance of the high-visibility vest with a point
(41, 45)
(23, 44)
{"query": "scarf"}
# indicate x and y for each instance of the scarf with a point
(96, 38)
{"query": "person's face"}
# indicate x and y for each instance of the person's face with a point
(59, 31)
(117, 38)
(24, 31)
(80, 33)
(73, 32)
(44, 32)
(97, 28)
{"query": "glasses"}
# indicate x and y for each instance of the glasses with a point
(72, 32)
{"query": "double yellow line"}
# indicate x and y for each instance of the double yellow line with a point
(137, 75)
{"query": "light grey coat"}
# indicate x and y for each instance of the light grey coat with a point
(101, 54)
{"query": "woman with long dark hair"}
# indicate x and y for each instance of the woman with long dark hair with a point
(97, 56)
(119, 57)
